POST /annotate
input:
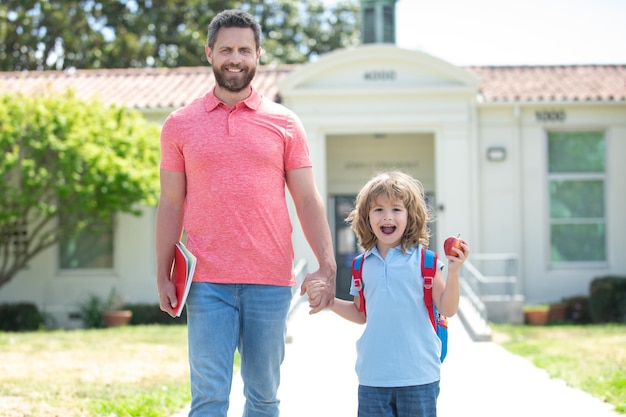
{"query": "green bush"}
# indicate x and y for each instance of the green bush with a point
(152, 314)
(577, 311)
(90, 312)
(607, 299)
(21, 317)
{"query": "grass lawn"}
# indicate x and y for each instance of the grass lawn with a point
(589, 357)
(125, 371)
(142, 371)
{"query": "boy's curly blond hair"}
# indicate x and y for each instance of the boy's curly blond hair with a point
(394, 185)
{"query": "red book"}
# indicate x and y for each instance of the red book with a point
(182, 272)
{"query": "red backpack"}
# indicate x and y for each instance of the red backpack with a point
(429, 268)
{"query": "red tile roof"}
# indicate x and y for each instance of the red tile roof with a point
(552, 83)
(142, 88)
(154, 88)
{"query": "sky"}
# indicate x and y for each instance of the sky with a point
(514, 32)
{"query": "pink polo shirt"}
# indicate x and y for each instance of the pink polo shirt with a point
(235, 159)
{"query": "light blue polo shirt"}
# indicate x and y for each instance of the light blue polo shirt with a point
(399, 346)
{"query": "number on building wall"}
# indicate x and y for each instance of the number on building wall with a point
(550, 116)
(382, 75)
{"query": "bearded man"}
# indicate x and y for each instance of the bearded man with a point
(226, 158)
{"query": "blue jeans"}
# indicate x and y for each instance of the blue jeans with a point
(222, 318)
(413, 401)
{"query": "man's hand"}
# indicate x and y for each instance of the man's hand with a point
(167, 297)
(325, 297)
(315, 290)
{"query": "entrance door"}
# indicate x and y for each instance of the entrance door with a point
(351, 160)
(346, 245)
(346, 242)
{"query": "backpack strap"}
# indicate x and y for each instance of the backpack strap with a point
(429, 269)
(357, 270)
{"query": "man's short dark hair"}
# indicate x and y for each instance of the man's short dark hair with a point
(233, 19)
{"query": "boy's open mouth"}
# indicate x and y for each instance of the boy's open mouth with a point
(388, 229)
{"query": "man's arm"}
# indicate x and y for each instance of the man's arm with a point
(312, 216)
(169, 225)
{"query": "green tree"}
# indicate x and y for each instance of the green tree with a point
(89, 34)
(70, 159)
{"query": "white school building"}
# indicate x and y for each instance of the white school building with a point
(526, 163)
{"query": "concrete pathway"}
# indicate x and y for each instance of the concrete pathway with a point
(478, 378)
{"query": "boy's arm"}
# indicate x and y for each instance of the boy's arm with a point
(446, 293)
(349, 310)
(448, 303)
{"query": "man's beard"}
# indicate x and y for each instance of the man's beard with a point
(234, 84)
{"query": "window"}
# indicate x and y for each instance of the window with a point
(389, 28)
(91, 248)
(378, 22)
(369, 25)
(576, 186)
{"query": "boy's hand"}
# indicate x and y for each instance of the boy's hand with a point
(455, 262)
(315, 290)
(327, 296)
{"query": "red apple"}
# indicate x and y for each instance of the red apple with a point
(452, 242)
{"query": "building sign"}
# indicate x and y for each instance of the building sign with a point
(550, 116)
(380, 75)
(380, 165)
